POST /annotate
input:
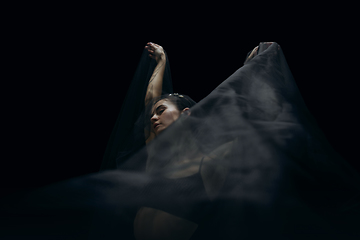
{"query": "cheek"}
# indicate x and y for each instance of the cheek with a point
(174, 115)
(170, 117)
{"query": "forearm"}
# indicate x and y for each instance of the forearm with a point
(154, 88)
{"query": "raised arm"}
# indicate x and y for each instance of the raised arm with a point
(155, 83)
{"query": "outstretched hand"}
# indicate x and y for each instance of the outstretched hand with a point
(155, 51)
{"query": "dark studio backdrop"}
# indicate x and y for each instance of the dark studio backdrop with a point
(70, 70)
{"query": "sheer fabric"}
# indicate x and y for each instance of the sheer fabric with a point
(128, 134)
(266, 168)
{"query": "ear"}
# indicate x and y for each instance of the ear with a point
(186, 111)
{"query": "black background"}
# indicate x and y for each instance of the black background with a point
(69, 67)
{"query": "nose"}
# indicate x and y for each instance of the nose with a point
(154, 118)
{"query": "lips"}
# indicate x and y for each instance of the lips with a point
(156, 124)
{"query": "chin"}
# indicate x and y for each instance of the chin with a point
(159, 130)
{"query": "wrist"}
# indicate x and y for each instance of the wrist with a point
(161, 58)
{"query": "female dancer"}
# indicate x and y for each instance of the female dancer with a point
(151, 223)
(258, 161)
(246, 162)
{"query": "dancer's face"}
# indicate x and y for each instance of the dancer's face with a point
(164, 114)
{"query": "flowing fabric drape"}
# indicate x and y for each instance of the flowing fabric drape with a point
(267, 169)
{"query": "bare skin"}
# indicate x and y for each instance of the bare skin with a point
(155, 224)
(164, 114)
(155, 83)
(254, 52)
(154, 88)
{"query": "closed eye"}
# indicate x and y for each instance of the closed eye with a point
(160, 109)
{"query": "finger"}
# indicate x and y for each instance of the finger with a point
(150, 50)
(154, 45)
(158, 46)
(253, 52)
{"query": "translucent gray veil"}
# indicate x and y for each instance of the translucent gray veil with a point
(267, 169)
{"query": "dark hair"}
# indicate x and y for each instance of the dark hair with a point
(179, 100)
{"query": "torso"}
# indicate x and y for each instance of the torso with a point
(156, 224)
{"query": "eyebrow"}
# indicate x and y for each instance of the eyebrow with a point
(152, 114)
